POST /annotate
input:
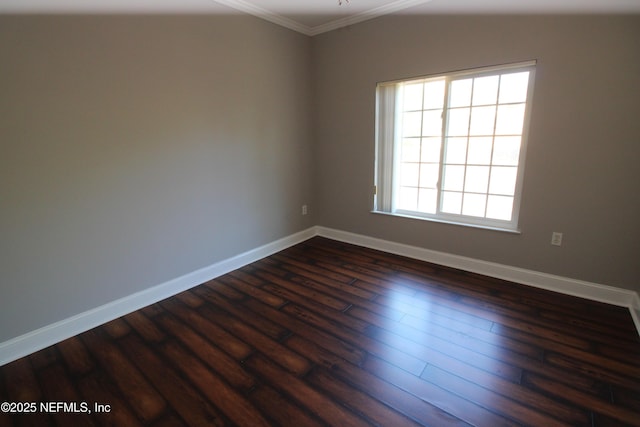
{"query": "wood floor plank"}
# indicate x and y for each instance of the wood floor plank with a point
(117, 328)
(44, 358)
(325, 333)
(462, 333)
(312, 278)
(143, 397)
(433, 335)
(422, 304)
(190, 405)
(480, 361)
(362, 404)
(146, 328)
(445, 400)
(625, 397)
(21, 382)
(402, 400)
(219, 305)
(606, 371)
(258, 293)
(215, 358)
(600, 332)
(22, 387)
(388, 352)
(276, 351)
(580, 398)
(513, 391)
(58, 387)
(364, 281)
(152, 310)
(281, 409)
(438, 356)
(231, 402)
(629, 354)
(232, 345)
(76, 355)
(293, 291)
(170, 420)
(509, 407)
(228, 291)
(303, 266)
(97, 387)
(189, 299)
(296, 389)
(335, 345)
(348, 292)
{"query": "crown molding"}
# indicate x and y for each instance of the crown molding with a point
(283, 21)
(267, 15)
(365, 16)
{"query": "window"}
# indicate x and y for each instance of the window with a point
(451, 147)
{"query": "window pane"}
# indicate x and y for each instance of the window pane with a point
(427, 200)
(482, 120)
(451, 202)
(479, 151)
(408, 199)
(430, 150)
(432, 123)
(456, 151)
(458, 124)
(485, 90)
(460, 93)
(510, 119)
(411, 124)
(513, 87)
(412, 97)
(450, 146)
(474, 204)
(503, 180)
(506, 150)
(477, 179)
(429, 175)
(410, 150)
(453, 178)
(409, 174)
(434, 94)
(500, 207)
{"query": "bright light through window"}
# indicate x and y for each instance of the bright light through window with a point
(451, 147)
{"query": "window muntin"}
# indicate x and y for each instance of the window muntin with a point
(451, 147)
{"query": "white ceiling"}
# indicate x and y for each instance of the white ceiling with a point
(317, 16)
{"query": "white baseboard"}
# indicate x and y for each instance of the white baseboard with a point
(33, 341)
(48, 335)
(579, 288)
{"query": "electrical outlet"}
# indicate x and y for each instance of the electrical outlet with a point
(304, 209)
(556, 238)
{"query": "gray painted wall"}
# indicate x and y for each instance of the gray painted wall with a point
(138, 149)
(581, 175)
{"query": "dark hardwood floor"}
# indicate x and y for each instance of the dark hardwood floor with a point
(326, 333)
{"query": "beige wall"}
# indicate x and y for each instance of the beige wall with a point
(581, 175)
(134, 150)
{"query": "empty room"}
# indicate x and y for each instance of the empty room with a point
(319, 213)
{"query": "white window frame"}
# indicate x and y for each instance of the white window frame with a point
(388, 143)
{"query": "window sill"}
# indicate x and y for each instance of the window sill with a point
(443, 221)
